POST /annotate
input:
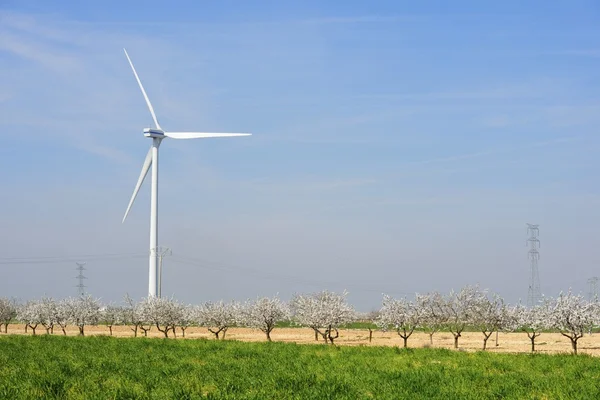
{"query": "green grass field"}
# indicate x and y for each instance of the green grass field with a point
(47, 367)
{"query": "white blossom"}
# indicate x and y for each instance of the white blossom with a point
(218, 317)
(83, 311)
(401, 315)
(531, 320)
(488, 315)
(572, 315)
(431, 311)
(111, 315)
(458, 309)
(31, 315)
(8, 311)
(264, 313)
(323, 311)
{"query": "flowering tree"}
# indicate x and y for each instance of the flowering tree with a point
(186, 317)
(488, 314)
(324, 312)
(48, 310)
(572, 315)
(431, 311)
(162, 312)
(8, 311)
(132, 315)
(83, 311)
(63, 314)
(459, 310)
(264, 313)
(401, 315)
(31, 315)
(218, 317)
(531, 320)
(143, 314)
(111, 315)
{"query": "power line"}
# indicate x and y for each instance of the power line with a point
(63, 259)
(205, 264)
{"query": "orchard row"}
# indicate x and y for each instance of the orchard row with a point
(324, 312)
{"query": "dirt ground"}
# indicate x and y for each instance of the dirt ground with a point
(469, 341)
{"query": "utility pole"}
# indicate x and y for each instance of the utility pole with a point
(80, 286)
(593, 281)
(534, 295)
(162, 252)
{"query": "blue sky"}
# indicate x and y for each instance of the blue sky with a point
(397, 147)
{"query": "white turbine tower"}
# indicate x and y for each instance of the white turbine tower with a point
(157, 135)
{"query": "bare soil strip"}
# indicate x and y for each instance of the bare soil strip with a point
(514, 342)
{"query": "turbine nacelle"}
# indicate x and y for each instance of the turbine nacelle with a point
(154, 133)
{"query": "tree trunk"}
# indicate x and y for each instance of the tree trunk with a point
(456, 336)
(331, 338)
(52, 329)
(64, 330)
(268, 332)
(431, 337)
(26, 326)
(164, 331)
(574, 345)
(183, 331)
(532, 337)
(81, 330)
(110, 329)
(405, 338)
(486, 336)
(316, 334)
(224, 331)
(145, 330)
(370, 335)
(33, 328)
(496, 338)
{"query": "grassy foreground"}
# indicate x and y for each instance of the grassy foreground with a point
(140, 368)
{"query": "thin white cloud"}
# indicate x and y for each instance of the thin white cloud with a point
(38, 52)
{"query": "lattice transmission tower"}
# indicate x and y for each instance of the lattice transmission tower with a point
(534, 294)
(80, 277)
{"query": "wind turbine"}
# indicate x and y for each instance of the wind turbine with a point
(158, 135)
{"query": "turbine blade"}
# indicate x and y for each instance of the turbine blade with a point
(143, 91)
(202, 135)
(145, 168)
